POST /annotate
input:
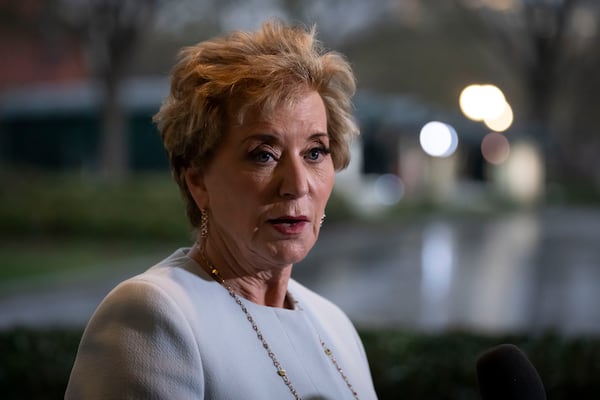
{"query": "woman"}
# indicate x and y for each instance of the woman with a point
(255, 126)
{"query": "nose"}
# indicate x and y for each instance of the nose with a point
(293, 177)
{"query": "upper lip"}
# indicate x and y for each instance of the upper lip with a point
(289, 218)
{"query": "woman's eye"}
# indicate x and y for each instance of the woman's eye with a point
(262, 156)
(316, 153)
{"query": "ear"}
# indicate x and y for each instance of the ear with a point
(194, 179)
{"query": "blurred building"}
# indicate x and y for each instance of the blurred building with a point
(58, 125)
(33, 50)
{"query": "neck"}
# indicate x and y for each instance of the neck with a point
(264, 287)
(267, 291)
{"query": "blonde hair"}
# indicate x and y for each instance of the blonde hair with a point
(222, 78)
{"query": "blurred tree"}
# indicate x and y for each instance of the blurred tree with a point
(112, 29)
(422, 48)
(34, 48)
(551, 46)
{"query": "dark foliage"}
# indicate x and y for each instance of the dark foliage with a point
(35, 364)
(416, 366)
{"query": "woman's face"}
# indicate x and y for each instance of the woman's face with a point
(267, 186)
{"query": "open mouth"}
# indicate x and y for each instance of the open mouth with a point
(289, 225)
(288, 220)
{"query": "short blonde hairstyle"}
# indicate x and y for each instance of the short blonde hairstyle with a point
(220, 79)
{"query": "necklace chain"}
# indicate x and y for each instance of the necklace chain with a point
(214, 272)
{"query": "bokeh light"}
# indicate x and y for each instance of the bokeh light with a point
(495, 148)
(438, 139)
(389, 189)
(479, 102)
(502, 122)
(525, 172)
(438, 263)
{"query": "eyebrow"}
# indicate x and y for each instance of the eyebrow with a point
(263, 137)
(319, 135)
(270, 137)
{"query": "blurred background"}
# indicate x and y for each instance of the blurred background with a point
(472, 201)
(472, 197)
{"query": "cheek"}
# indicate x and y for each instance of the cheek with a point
(236, 192)
(325, 183)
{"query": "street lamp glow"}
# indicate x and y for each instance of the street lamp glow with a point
(470, 104)
(438, 139)
(479, 102)
(502, 122)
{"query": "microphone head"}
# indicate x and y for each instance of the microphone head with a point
(505, 373)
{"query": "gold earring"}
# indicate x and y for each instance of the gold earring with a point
(203, 223)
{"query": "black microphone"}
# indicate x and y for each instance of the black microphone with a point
(505, 373)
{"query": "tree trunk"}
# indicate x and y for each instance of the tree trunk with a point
(114, 146)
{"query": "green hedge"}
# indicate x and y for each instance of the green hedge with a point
(145, 207)
(411, 366)
(36, 363)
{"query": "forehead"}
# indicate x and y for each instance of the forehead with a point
(306, 108)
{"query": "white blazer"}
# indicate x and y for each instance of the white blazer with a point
(172, 332)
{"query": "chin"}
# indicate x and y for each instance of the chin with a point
(291, 254)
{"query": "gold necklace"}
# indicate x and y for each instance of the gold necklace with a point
(214, 272)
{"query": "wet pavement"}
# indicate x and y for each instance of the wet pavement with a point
(511, 273)
(519, 272)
